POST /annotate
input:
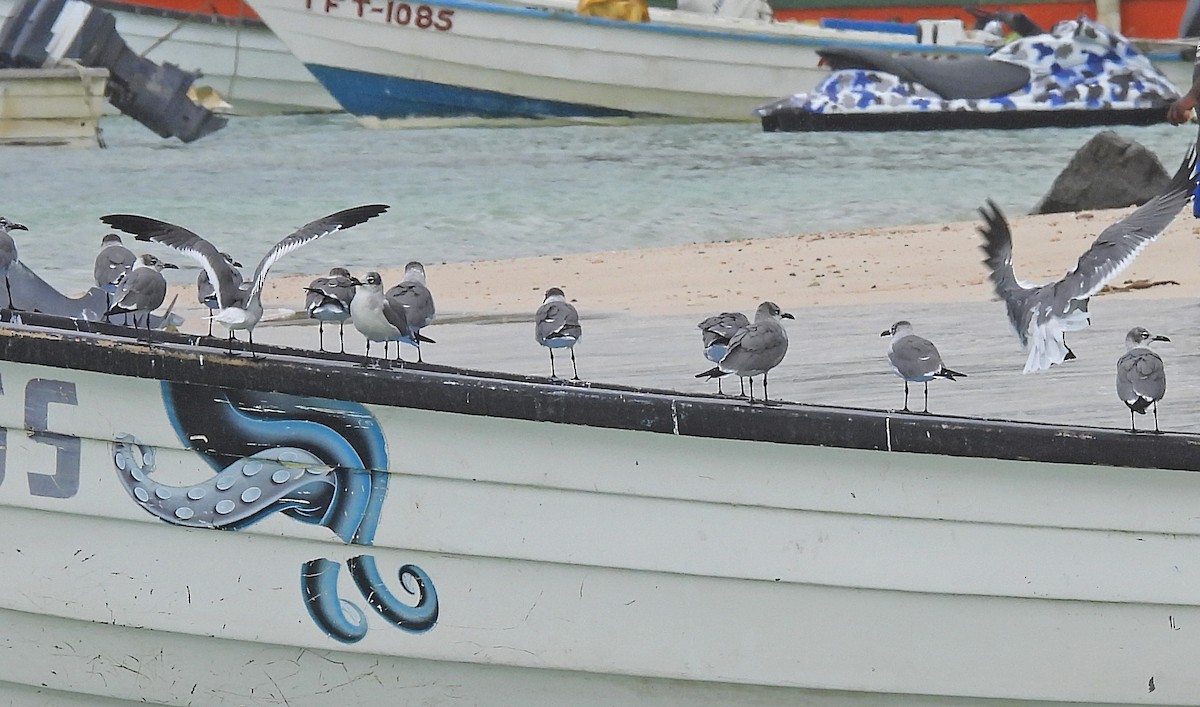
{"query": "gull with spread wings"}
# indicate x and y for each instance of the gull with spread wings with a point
(238, 308)
(1041, 315)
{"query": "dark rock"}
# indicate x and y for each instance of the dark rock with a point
(1109, 172)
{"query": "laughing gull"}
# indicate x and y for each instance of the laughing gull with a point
(207, 294)
(378, 318)
(142, 290)
(755, 349)
(556, 326)
(112, 263)
(328, 300)
(716, 331)
(915, 359)
(8, 252)
(1141, 380)
(412, 295)
(238, 308)
(1041, 315)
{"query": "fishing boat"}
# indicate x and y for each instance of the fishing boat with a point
(499, 59)
(226, 43)
(1150, 19)
(55, 106)
(181, 524)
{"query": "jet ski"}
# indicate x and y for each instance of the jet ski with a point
(1078, 74)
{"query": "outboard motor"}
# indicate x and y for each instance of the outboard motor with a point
(40, 33)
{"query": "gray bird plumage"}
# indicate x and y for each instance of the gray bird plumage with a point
(238, 308)
(328, 299)
(112, 262)
(915, 359)
(1041, 315)
(716, 332)
(756, 349)
(556, 326)
(1141, 378)
(8, 253)
(142, 290)
(414, 297)
(376, 317)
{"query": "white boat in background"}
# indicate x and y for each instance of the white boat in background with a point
(185, 526)
(388, 59)
(56, 106)
(224, 41)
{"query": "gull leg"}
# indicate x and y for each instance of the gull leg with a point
(342, 334)
(905, 396)
(8, 288)
(1132, 424)
(926, 396)
(210, 323)
(321, 334)
(419, 359)
(719, 390)
(751, 389)
(573, 368)
(742, 382)
(552, 373)
(1156, 416)
(765, 399)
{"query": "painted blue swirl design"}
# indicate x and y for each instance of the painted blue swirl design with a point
(318, 461)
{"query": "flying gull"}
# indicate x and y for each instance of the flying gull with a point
(377, 317)
(915, 359)
(556, 326)
(328, 300)
(207, 294)
(142, 290)
(1141, 380)
(414, 297)
(238, 308)
(755, 349)
(715, 332)
(8, 252)
(1041, 315)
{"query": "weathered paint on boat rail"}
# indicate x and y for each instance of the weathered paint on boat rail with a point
(103, 348)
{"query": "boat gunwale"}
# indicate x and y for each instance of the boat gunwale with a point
(60, 342)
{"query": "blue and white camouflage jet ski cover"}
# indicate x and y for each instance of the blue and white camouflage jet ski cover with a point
(1080, 73)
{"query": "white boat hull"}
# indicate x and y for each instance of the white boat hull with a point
(461, 57)
(51, 106)
(660, 560)
(247, 65)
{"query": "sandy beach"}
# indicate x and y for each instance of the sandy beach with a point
(923, 265)
(639, 310)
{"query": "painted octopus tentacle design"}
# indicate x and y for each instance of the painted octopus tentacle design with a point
(319, 461)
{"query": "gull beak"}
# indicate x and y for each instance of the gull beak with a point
(355, 281)
(886, 332)
(1160, 338)
(236, 264)
(170, 266)
(17, 227)
(785, 315)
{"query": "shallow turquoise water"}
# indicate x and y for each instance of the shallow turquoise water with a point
(481, 193)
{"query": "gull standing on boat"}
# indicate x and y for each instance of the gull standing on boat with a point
(142, 290)
(414, 296)
(915, 359)
(377, 317)
(1041, 315)
(8, 252)
(328, 300)
(755, 349)
(1141, 380)
(207, 294)
(716, 332)
(556, 326)
(112, 263)
(238, 308)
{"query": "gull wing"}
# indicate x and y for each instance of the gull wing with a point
(1116, 246)
(308, 233)
(184, 241)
